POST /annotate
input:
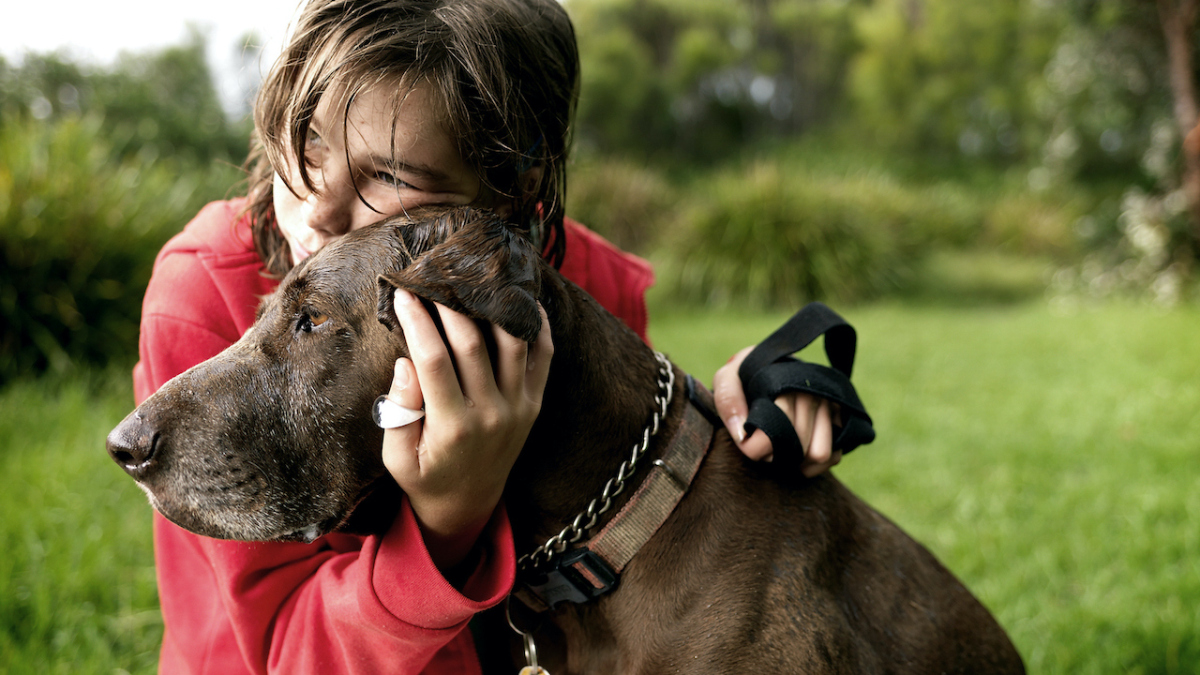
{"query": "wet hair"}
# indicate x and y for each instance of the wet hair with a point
(504, 72)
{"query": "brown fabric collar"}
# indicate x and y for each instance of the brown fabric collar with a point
(584, 573)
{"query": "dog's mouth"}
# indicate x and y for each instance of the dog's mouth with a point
(265, 524)
(307, 534)
(355, 520)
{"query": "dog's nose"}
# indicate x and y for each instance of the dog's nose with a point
(133, 445)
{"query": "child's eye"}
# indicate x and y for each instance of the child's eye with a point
(314, 145)
(391, 180)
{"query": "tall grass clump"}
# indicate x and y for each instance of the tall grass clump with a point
(769, 237)
(79, 230)
(628, 202)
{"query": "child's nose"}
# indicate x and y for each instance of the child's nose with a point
(330, 210)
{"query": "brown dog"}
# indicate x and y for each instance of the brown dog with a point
(273, 439)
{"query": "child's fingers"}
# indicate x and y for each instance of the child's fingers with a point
(405, 389)
(537, 363)
(472, 363)
(812, 417)
(819, 454)
(512, 353)
(433, 364)
(400, 444)
(522, 367)
(731, 405)
(818, 446)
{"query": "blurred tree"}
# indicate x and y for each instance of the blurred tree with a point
(1120, 94)
(79, 230)
(162, 102)
(699, 78)
(1178, 21)
(1102, 92)
(947, 77)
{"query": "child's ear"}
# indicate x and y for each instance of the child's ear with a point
(528, 184)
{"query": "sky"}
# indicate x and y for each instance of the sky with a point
(96, 31)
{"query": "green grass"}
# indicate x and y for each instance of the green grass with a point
(77, 591)
(1050, 460)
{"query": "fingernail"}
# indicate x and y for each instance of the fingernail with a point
(403, 297)
(400, 379)
(737, 428)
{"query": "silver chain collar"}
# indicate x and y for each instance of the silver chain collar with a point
(572, 533)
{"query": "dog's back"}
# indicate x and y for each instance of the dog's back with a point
(752, 571)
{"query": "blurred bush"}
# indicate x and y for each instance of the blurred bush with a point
(767, 236)
(1038, 224)
(628, 202)
(79, 229)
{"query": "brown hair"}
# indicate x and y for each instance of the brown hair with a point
(505, 72)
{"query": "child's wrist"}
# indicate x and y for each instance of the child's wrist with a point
(450, 535)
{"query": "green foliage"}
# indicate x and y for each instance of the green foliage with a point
(942, 76)
(697, 78)
(159, 103)
(79, 229)
(1148, 256)
(98, 167)
(1103, 94)
(815, 219)
(776, 234)
(628, 202)
(770, 237)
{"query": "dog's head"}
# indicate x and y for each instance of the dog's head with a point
(272, 439)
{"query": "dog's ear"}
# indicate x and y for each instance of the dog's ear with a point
(483, 270)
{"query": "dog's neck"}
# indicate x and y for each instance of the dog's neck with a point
(603, 385)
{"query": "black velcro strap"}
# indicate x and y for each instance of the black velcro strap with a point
(770, 371)
(785, 444)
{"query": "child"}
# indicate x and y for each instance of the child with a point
(374, 107)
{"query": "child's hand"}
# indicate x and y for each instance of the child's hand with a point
(453, 464)
(813, 417)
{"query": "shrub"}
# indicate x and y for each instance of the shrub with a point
(627, 202)
(79, 230)
(1034, 223)
(766, 237)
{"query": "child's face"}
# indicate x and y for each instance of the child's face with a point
(427, 169)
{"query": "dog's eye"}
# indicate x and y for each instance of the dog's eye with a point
(307, 322)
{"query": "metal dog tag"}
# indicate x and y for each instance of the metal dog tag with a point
(531, 657)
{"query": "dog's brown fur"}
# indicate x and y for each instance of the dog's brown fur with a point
(272, 439)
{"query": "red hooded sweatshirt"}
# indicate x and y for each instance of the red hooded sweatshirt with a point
(345, 603)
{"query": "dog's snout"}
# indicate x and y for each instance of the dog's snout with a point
(133, 445)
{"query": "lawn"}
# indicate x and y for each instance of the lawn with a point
(1047, 455)
(1049, 458)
